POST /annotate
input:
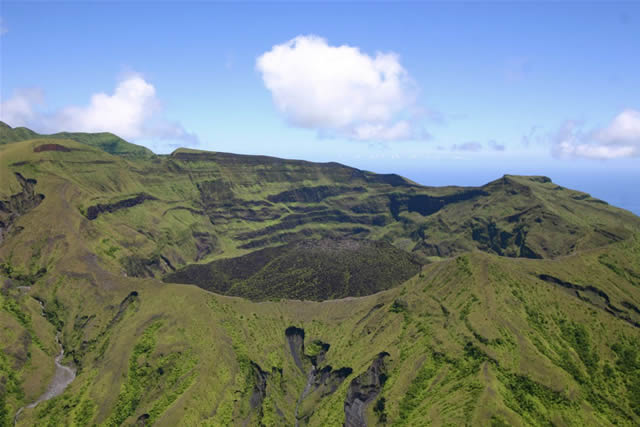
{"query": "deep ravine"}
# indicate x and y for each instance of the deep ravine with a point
(63, 376)
(307, 388)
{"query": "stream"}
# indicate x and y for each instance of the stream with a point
(63, 376)
(310, 378)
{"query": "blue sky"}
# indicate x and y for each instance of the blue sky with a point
(475, 90)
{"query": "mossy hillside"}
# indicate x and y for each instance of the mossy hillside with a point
(26, 353)
(199, 206)
(104, 141)
(485, 339)
(474, 339)
(9, 134)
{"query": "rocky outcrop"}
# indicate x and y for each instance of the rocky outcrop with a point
(322, 381)
(492, 239)
(221, 204)
(427, 205)
(327, 380)
(259, 386)
(138, 266)
(363, 390)
(126, 302)
(95, 210)
(206, 243)
(295, 340)
(305, 233)
(18, 205)
(84, 344)
(143, 420)
(598, 298)
(313, 194)
(261, 380)
(320, 217)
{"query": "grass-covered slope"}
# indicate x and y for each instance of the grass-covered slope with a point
(154, 215)
(474, 340)
(483, 334)
(105, 141)
(9, 134)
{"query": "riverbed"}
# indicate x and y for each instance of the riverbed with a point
(63, 376)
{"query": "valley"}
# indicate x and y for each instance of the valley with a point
(205, 288)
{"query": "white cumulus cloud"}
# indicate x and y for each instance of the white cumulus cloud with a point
(20, 109)
(624, 129)
(620, 139)
(339, 90)
(132, 111)
(123, 113)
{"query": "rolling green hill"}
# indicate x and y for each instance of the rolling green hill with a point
(325, 295)
(105, 141)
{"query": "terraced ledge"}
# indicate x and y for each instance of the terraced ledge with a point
(326, 216)
(597, 298)
(427, 205)
(51, 147)
(95, 210)
(312, 194)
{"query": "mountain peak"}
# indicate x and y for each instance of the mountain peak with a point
(105, 141)
(323, 293)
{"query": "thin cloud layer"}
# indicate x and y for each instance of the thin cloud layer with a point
(471, 146)
(340, 91)
(475, 146)
(133, 112)
(620, 139)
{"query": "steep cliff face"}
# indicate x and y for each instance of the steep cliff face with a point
(522, 308)
(18, 205)
(322, 380)
(95, 210)
(363, 390)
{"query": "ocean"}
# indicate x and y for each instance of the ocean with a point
(618, 188)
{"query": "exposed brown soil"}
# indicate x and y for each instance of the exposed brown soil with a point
(51, 147)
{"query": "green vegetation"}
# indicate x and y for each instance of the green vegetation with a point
(418, 389)
(628, 362)
(399, 306)
(317, 270)
(512, 303)
(578, 337)
(105, 141)
(531, 399)
(140, 373)
(166, 375)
